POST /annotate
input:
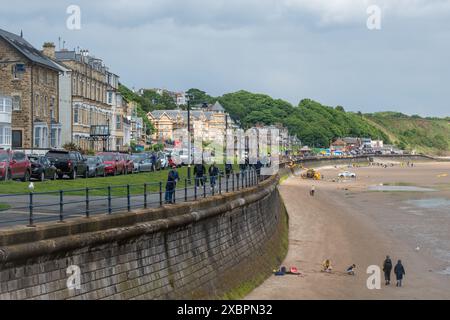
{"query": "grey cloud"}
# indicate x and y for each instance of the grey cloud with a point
(291, 49)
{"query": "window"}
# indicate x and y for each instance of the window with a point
(17, 71)
(40, 136)
(16, 138)
(52, 108)
(16, 105)
(118, 123)
(41, 105)
(5, 104)
(75, 115)
(110, 97)
(44, 142)
(45, 106)
(5, 135)
(36, 105)
(54, 138)
(18, 156)
(37, 137)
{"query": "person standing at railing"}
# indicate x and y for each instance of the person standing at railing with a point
(213, 174)
(172, 179)
(228, 170)
(258, 167)
(199, 173)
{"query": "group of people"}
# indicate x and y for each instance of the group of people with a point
(213, 172)
(201, 176)
(399, 271)
(200, 179)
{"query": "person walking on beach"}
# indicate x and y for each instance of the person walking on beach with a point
(399, 271)
(387, 268)
(312, 191)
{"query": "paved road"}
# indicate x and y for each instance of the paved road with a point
(46, 207)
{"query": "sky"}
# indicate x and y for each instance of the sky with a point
(289, 49)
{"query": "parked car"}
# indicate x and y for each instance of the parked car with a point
(42, 168)
(14, 165)
(181, 156)
(146, 165)
(347, 174)
(138, 159)
(114, 164)
(164, 161)
(129, 166)
(96, 167)
(70, 163)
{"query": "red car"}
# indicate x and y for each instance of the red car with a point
(14, 165)
(129, 164)
(114, 163)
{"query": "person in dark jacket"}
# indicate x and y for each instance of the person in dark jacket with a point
(153, 160)
(171, 184)
(213, 175)
(228, 170)
(399, 271)
(387, 268)
(199, 173)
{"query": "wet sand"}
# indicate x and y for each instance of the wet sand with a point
(348, 223)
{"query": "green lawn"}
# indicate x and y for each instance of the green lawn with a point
(118, 184)
(4, 206)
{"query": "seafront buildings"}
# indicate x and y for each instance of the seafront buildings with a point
(50, 98)
(29, 95)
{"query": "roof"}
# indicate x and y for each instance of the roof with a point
(351, 140)
(339, 142)
(217, 107)
(26, 49)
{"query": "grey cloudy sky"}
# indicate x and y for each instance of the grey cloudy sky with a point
(290, 49)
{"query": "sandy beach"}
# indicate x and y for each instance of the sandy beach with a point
(351, 222)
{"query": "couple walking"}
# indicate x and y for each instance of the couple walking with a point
(399, 271)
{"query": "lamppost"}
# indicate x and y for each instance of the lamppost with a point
(188, 98)
(226, 138)
(108, 134)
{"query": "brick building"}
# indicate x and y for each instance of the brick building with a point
(29, 93)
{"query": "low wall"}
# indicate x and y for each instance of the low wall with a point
(214, 248)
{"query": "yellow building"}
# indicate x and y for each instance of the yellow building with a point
(210, 122)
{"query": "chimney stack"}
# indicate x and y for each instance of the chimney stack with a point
(49, 50)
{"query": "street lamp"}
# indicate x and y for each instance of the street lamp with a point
(108, 134)
(188, 99)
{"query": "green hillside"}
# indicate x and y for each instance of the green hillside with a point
(315, 124)
(425, 135)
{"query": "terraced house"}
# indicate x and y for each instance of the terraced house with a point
(93, 90)
(29, 116)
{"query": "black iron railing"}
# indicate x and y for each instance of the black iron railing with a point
(34, 207)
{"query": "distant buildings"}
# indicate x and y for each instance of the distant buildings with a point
(209, 122)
